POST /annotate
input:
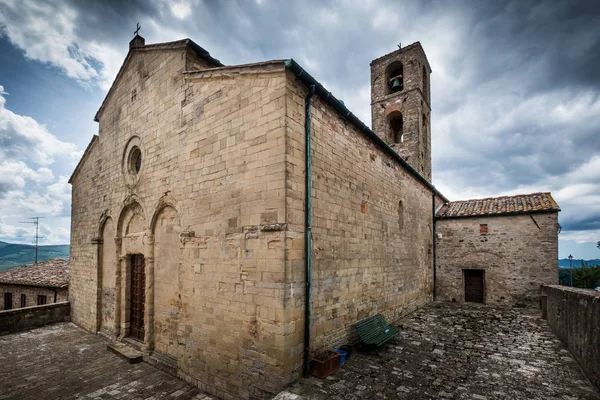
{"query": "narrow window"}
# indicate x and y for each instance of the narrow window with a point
(7, 301)
(41, 299)
(483, 229)
(396, 128)
(23, 300)
(401, 215)
(424, 81)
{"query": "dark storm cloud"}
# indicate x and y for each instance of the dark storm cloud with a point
(503, 86)
(111, 21)
(515, 84)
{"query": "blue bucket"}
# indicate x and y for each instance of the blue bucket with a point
(342, 356)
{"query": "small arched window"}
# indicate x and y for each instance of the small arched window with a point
(395, 77)
(400, 215)
(396, 127)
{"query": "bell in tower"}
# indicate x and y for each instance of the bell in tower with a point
(400, 106)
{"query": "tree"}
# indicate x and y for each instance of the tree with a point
(586, 277)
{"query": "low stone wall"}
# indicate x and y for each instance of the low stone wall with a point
(21, 319)
(574, 316)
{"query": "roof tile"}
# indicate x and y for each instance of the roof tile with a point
(49, 273)
(522, 203)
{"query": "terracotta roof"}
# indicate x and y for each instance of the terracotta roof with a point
(49, 273)
(519, 204)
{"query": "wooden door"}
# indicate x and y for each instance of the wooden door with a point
(474, 286)
(138, 297)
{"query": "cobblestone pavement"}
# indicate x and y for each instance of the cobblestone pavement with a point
(61, 361)
(451, 351)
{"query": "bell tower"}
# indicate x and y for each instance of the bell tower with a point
(400, 104)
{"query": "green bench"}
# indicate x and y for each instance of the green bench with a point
(374, 330)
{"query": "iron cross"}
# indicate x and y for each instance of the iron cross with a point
(137, 29)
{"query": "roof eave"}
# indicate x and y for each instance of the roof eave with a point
(83, 157)
(200, 51)
(497, 214)
(337, 105)
(40, 285)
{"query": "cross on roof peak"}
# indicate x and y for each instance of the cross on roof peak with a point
(138, 27)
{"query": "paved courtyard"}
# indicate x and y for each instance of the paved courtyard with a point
(61, 361)
(452, 351)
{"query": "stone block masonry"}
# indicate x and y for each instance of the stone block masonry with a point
(574, 316)
(188, 222)
(22, 319)
(372, 229)
(31, 294)
(518, 254)
(206, 210)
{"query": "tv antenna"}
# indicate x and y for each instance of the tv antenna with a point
(36, 222)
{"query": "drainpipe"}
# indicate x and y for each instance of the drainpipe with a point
(307, 228)
(434, 247)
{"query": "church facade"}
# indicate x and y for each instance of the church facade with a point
(235, 220)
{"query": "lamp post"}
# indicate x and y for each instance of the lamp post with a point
(571, 268)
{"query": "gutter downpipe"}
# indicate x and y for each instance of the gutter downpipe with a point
(433, 211)
(307, 228)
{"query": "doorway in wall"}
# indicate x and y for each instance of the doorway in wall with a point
(138, 297)
(474, 285)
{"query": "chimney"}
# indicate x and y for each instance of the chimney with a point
(137, 41)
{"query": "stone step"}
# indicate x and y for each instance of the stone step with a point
(130, 355)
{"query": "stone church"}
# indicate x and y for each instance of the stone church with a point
(235, 220)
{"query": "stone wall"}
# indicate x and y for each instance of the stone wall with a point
(413, 103)
(31, 293)
(33, 317)
(207, 211)
(574, 316)
(372, 229)
(519, 253)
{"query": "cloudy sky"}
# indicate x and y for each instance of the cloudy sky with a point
(515, 88)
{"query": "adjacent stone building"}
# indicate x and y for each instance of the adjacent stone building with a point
(235, 220)
(36, 284)
(497, 250)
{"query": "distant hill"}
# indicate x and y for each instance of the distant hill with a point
(15, 255)
(564, 262)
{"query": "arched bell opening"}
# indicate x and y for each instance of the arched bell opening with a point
(395, 77)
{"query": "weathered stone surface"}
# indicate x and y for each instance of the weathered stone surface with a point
(412, 104)
(574, 316)
(49, 278)
(31, 294)
(460, 352)
(126, 352)
(372, 230)
(518, 253)
(217, 210)
(62, 361)
(21, 319)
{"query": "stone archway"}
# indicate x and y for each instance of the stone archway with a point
(107, 281)
(166, 300)
(131, 241)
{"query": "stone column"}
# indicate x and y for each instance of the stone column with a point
(149, 306)
(121, 266)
